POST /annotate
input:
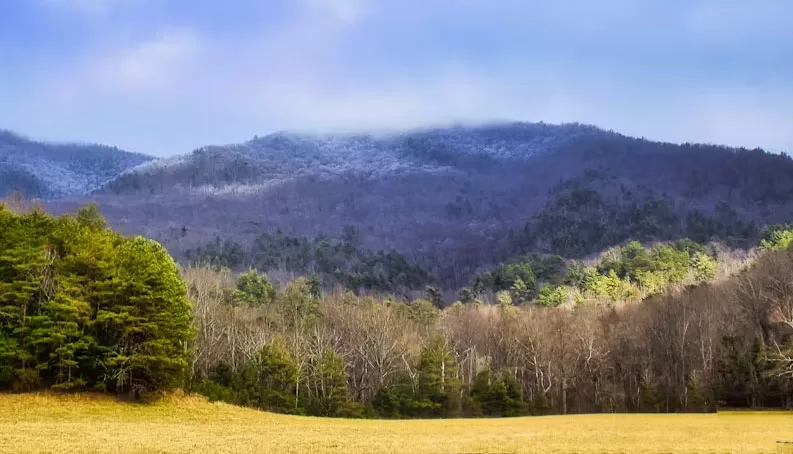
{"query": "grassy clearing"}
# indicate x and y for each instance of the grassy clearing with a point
(90, 423)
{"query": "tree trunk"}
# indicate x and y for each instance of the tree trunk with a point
(564, 396)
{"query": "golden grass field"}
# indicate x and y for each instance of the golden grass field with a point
(90, 423)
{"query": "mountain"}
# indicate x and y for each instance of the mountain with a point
(452, 200)
(283, 156)
(49, 171)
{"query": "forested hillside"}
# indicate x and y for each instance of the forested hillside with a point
(432, 207)
(674, 327)
(46, 170)
(454, 202)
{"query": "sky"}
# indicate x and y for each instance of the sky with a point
(164, 77)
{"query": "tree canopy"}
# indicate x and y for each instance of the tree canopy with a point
(82, 307)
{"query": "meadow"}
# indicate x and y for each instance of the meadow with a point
(180, 424)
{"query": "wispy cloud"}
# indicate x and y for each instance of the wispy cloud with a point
(162, 63)
(92, 7)
(345, 11)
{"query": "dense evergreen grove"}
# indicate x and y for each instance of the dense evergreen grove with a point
(82, 307)
(667, 327)
(590, 213)
(337, 262)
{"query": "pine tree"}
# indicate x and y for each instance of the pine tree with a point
(254, 289)
(148, 318)
(330, 395)
(82, 307)
(438, 392)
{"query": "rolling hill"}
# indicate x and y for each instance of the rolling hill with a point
(49, 171)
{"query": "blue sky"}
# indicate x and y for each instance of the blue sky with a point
(166, 76)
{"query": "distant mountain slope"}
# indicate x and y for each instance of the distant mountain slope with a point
(288, 156)
(455, 200)
(48, 171)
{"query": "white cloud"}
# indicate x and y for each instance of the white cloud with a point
(447, 93)
(143, 70)
(154, 65)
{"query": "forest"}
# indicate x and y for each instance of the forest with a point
(673, 326)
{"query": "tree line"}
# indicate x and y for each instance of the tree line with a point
(336, 262)
(689, 348)
(84, 308)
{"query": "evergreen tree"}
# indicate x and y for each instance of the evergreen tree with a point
(254, 289)
(269, 381)
(434, 296)
(314, 286)
(82, 307)
(438, 391)
(497, 395)
(330, 395)
(148, 320)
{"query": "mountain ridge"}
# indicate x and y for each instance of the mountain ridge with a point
(452, 200)
(57, 170)
(287, 155)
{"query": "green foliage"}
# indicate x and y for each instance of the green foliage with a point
(218, 254)
(671, 262)
(299, 306)
(652, 270)
(91, 217)
(466, 296)
(504, 278)
(651, 282)
(504, 300)
(610, 287)
(314, 286)
(522, 292)
(576, 275)
(552, 296)
(271, 381)
(336, 262)
(519, 277)
(746, 376)
(423, 312)
(82, 307)
(254, 289)
(703, 267)
(438, 382)
(516, 277)
(633, 260)
(776, 238)
(268, 381)
(329, 392)
(497, 395)
(591, 213)
(147, 320)
(433, 393)
(434, 296)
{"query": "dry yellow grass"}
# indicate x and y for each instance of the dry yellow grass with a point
(89, 423)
